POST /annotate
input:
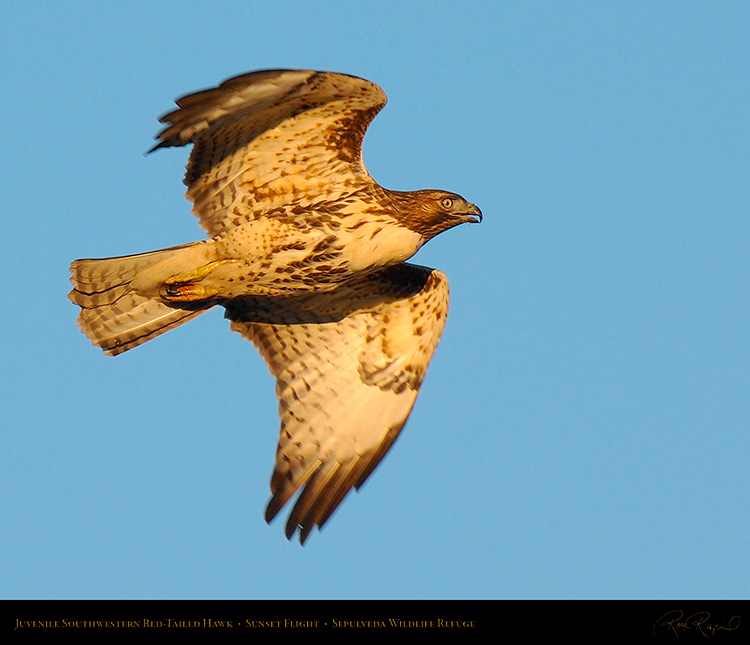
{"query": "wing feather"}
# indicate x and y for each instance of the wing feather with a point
(348, 367)
(263, 137)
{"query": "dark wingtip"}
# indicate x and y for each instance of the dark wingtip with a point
(161, 144)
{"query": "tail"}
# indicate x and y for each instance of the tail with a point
(116, 317)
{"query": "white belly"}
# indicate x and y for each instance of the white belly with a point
(379, 244)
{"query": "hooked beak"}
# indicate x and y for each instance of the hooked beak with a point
(473, 215)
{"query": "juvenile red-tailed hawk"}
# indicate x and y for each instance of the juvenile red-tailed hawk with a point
(306, 253)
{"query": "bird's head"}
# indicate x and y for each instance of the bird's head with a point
(429, 212)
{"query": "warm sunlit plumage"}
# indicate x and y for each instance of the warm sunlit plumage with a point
(306, 253)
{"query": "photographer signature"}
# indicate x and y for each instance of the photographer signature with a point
(676, 622)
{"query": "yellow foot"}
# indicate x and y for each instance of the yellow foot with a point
(196, 274)
(184, 287)
(187, 292)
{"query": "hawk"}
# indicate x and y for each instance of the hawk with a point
(306, 253)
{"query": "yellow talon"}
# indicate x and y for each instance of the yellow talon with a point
(188, 293)
(184, 287)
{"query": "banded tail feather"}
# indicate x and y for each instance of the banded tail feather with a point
(114, 314)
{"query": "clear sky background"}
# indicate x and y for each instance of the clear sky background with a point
(583, 430)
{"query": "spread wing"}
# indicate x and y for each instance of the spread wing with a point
(348, 367)
(266, 138)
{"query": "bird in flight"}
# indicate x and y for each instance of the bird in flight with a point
(306, 253)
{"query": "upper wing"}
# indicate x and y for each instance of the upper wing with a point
(264, 138)
(348, 367)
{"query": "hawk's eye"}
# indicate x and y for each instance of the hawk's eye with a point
(446, 202)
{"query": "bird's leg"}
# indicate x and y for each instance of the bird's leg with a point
(184, 287)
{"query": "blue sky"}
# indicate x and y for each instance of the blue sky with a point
(583, 430)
